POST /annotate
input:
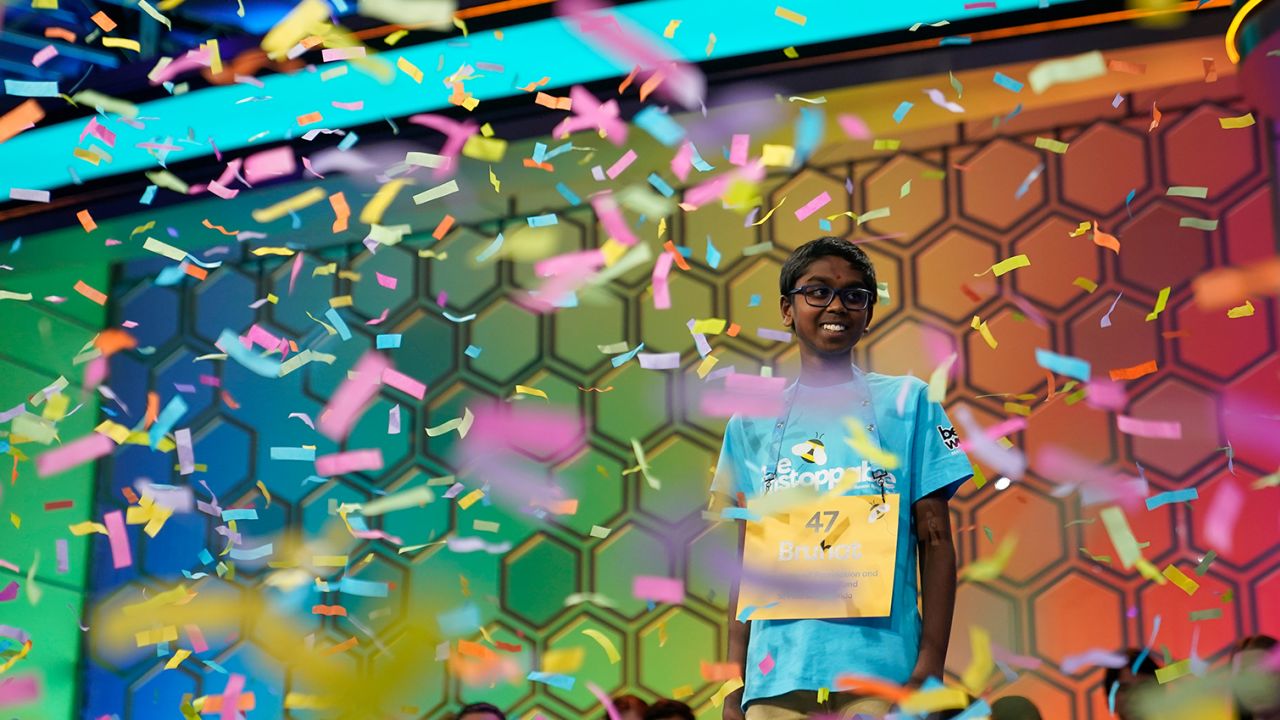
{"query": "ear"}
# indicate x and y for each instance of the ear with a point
(871, 311)
(784, 305)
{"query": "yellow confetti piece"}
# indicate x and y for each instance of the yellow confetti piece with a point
(729, 686)
(885, 144)
(1173, 671)
(988, 569)
(1083, 228)
(790, 15)
(299, 23)
(87, 527)
(563, 662)
(1117, 527)
(1085, 284)
(769, 214)
(527, 390)
(823, 695)
(293, 204)
(670, 31)
(114, 430)
(494, 181)
(790, 52)
(1004, 266)
(395, 37)
(329, 560)
(155, 14)
(16, 520)
(470, 498)
(1161, 300)
(981, 664)
(1245, 310)
(460, 24)
(1054, 146)
(169, 633)
(609, 649)
(485, 149)
(934, 700)
(938, 380)
(682, 692)
(709, 326)
(381, 200)
(119, 42)
(178, 656)
(409, 69)
(340, 301)
(985, 331)
(711, 43)
(1179, 578)
(859, 440)
(707, 363)
(1234, 123)
(284, 251)
(777, 155)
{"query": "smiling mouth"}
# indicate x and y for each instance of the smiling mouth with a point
(835, 328)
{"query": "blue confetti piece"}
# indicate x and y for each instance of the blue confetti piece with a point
(754, 301)
(713, 255)
(618, 360)
(745, 613)
(661, 185)
(956, 40)
(168, 417)
(979, 709)
(205, 557)
(388, 341)
(247, 513)
(170, 276)
(459, 621)
(1026, 183)
(109, 412)
(1007, 82)
(539, 152)
(293, 453)
(472, 351)
(698, 162)
(660, 125)
(363, 588)
(148, 195)
(902, 111)
(564, 682)
(684, 250)
(824, 225)
(350, 139)
(31, 88)
(1071, 367)
(338, 323)
(252, 553)
(543, 220)
(214, 666)
(340, 5)
(295, 220)
(568, 194)
(1115, 102)
(739, 513)
(559, 150)
(811, 126)
(489, 251)
(1173, 496)
(1128, 199)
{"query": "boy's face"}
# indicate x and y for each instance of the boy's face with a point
(828, 333)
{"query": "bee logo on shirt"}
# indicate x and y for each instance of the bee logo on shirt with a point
(812, 451)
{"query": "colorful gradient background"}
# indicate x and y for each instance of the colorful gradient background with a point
(1217, 376)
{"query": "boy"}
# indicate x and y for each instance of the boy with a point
(899, 445)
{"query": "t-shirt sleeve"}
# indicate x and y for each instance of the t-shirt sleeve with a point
(937, 461)
(729, 478)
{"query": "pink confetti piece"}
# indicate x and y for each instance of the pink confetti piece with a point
(270, 164)
(658, 589)
(346, 53)
(590, 113)
(738, 149)
(221, 190)
(442, 297)
(258, 336)
(855, 127)
(622, 164)
(611, 219)
(348, 462)
(74, 453)
(348, 402)
(456, 135)
(1224, 509)
(9, 566)
(63, 564)
(44, 55)
(766, 665)
(987, 5)
(682, 162)
(1012, 425)
(813, 206)
(293, 272)
(661, 291)
(196, 636)
(1106, 394)
(231, 696)
(941, 101)
(378, 320)
(19, 690)
(1160, 429)
(1095, 658)
(192, 60)
(398, 380)
(609, 708)
(121, 557)
(386, 281)
(393, 421)
(9, 592)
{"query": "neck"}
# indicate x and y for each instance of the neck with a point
(823, 372)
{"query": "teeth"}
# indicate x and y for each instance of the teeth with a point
(833, 327)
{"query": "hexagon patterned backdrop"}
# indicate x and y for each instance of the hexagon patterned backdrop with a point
(968, 205)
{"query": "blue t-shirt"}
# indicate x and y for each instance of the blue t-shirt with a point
(809, 654)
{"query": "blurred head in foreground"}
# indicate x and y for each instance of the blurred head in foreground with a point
(1255, 685)
(1126, 681)
(480, 711)
(669, 710)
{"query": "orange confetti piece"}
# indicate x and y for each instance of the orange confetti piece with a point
(343, 646)
(129, 494)
(20, 118)
(310, 118)
(871, 686)
(113, 340)
(329, 610)
(651, 84)
(195, 271)
(626, 83)
(535, 85)
(86, 221)
(341, 211)
(529, 163)
(1105, 240)
(219, 228)
(555, 103)
(473, 649)
(103, 21)
(1134, 372)
(680, 261)
(1052, 385)
(89, 292)
(734, 329)
(443, 228)
(153, 409)
(719, 672)
(230, 401)
(213, 703)
(1173, 334)
(60, 33)
(1155, 117)
(1124, 66)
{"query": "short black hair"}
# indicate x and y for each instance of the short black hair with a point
(1255, 642)
(666, 709)
(623, 703)
(479, 708)
(804, 256)
(1148, 666)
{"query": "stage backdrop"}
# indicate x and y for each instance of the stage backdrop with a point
(956, 210)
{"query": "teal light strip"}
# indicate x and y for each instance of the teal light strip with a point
(237, 116)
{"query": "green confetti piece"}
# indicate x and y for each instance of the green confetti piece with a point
(1190, 191)
(955, 84)
(1210, 614)
(990, 536)
(1105, 559)
(886, 144)
(1056, 146)
(1198, 223)
(1228, 596)
(1203, 567)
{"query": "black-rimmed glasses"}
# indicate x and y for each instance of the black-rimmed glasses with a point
(820, 296)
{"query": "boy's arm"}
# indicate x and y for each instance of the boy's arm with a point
(937, 584)
(739, 632)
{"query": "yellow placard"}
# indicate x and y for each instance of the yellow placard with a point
(831, 558)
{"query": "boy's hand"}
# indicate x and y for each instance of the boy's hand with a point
(733, 706)
(925, 668)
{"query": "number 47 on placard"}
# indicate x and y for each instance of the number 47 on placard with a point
(815, 522)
